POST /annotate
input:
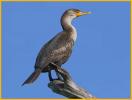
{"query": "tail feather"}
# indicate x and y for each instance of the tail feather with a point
(32, 77)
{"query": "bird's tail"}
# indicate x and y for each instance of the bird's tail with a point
(32, 77)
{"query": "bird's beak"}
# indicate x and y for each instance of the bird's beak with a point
(82, 13)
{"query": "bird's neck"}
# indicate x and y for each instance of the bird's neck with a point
(67, 26)
(66, 23)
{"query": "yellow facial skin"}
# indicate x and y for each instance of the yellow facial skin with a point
(82, 13)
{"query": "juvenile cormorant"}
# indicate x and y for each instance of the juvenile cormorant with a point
(59, 48)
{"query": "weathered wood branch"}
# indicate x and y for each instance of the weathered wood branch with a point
(66, 86)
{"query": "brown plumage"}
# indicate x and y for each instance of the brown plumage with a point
(59, 48)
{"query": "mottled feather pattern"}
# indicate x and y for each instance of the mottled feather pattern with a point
(57, 50)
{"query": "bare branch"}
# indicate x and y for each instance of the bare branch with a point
(67, 87)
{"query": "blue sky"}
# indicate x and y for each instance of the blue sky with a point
(100, 61)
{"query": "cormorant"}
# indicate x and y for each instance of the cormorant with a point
(59, 48)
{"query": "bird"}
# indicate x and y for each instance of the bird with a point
(59, 48)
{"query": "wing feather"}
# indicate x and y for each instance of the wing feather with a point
(58, 49)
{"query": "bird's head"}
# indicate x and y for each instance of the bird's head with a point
(73, 13)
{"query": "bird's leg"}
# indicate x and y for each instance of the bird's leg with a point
(53, 66)
(58, 75)
(62, 72)
(50, 76)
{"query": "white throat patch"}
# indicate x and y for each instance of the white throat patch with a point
(74, 33)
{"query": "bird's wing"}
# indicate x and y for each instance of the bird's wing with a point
(55, 49)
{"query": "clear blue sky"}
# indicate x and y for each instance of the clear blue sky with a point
(100, 61)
